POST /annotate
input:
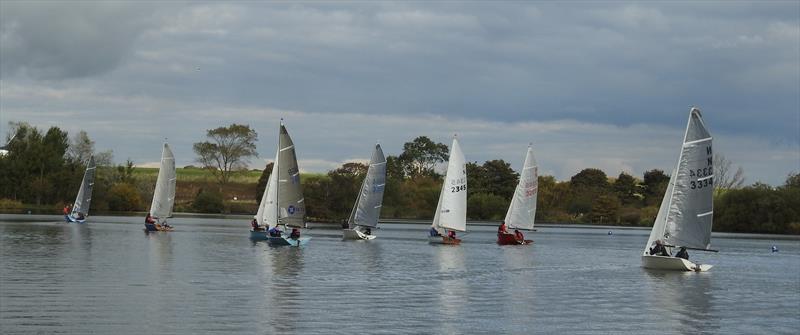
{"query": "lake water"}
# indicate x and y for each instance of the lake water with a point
(109, 277)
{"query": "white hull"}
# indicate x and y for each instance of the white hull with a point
(672, 264)
(352, 234)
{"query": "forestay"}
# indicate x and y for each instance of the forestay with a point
(522, 211)
(291, 206)
(685, 216)
(367, 209)
(451, 211)
(84, 198)
(164, 195)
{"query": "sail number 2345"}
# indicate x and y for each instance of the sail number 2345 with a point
(459, 188)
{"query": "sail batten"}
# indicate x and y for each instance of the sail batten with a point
(366, 210)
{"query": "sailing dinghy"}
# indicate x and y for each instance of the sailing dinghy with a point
(685, 216)
(367, 209)
(451, 211)
(268, 208)
(164, 194)
(288, 208)
(80, 209)
(522, 210)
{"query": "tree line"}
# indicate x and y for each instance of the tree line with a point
(45, 169)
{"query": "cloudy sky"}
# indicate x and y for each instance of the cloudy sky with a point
(590, 84)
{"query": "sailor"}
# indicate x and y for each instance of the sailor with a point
(682, 254)
(518, 235)
(368, 231)
(502, 229)
(451, 234)
(295, 234)
(66, 209)
(434, 232)
(659, 249)
(149, 219)
(81, 216)
(275, 232)
(255, 225)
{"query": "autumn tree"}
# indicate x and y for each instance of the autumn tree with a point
(421, 155)
(228, 150)
(725, 177)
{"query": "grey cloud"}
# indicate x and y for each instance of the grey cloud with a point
(57, 40)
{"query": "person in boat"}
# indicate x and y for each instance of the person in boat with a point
(255, 225)
(368, 231)
(659, 249)
(149, 219)
(166, 225)
(683, 254)
(451, 234)
(66, 209)
(518, 235)
(502, 229)
(81, 216)
(275, 232)
(295, 234)
(434, 232)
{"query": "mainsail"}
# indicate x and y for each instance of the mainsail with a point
(164, 194)
(367, 209)
(686, 212)
(84, 198)
(522, 210)
(291, 206)
(451, 211)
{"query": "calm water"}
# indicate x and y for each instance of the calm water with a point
(109, 277)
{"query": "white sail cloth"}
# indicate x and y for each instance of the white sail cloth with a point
(522, 211)
(451, 211)
(84, 198)
(164, 194)
(367, 209)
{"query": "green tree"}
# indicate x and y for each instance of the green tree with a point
(228, 150)
(655, 184)
(421, 155)
(486, 206)
(605, 209)
(344, 187)
(124, 197)
(626, 188)
(208, 200)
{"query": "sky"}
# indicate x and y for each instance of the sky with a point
(590, 84)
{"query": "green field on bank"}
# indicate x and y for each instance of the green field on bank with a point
(198, 174)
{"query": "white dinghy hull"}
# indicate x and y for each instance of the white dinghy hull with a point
(672, 264)
(353, 234)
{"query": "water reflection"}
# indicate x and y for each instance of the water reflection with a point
(516, 288)
(685, 297)
(453, 289)
(284, 291)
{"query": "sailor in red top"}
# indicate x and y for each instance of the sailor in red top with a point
(502, 228)
(66, 209)
(451, 234)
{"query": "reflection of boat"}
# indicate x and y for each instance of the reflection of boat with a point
(683, 297)
(164, 194)
(283, 200)
(685, 216)
(522, 210)
(451, 211)
(453, 289)
(80, 209)
(367, 208)
(284, 289)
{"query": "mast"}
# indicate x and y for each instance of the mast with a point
(278, 179)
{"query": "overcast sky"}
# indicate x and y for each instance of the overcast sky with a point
(590, 84)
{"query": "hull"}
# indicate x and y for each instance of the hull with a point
(443, 240)
(149, 227)
(285, 241)
(510, 239)
(672, 264)
(261, 235)
(352, 234)
(71, 219)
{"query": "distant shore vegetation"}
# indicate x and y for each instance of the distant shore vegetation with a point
(42, 171)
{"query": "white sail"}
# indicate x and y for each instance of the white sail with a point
(164, 194)
(367, 209)
(522, 211)
(268, 212)
(291, 205)
(84, 198)
(686, 212)
(451, 211)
